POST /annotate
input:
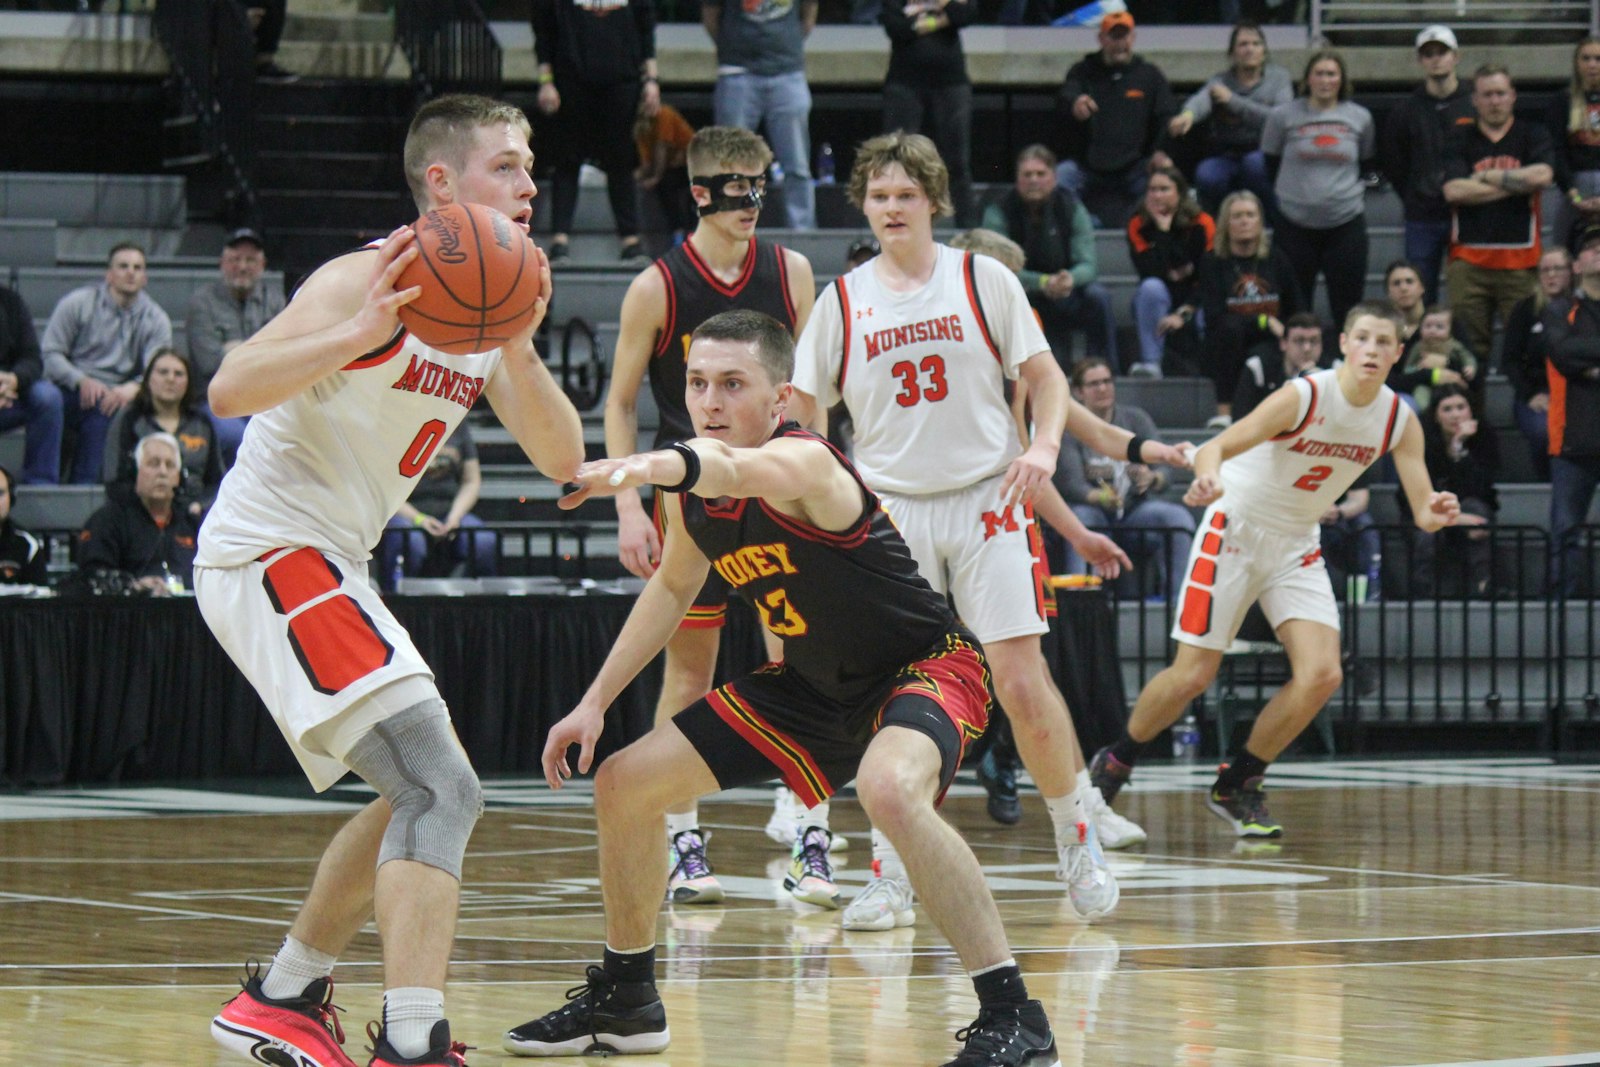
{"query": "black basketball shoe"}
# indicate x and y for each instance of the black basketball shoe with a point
(595, 1020)
(1008, 1035)
(1108, 774)
(442, 1052)
(997, 773)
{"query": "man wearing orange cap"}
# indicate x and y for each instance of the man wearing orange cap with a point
(1116, 107)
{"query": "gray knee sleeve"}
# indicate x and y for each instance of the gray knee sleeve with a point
(415, 763)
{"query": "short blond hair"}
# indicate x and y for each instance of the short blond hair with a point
(715, 147)
(989, 243)
(442, 131)
(916, 154)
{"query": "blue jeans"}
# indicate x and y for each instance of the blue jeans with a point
(1572, 484)
(1152, 301)
(1156, 524)
(1109, 197)
(781, 103)
(91, 425)
(1087, 309)
(41, 412)
(472, 545)
(1425, 247)
(230, 433)
(1217, 176)
(1535, 426)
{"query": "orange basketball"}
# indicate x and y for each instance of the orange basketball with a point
(479, 280)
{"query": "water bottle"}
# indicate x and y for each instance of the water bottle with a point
(60, 555)
(398, 573)
(824, 168)
(1186, 739)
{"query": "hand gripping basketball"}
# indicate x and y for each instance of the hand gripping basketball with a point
(480, 278)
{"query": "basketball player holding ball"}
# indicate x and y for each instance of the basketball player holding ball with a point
(345, 422)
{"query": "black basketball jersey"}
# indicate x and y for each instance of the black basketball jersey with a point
(850, 606)
(694, 294)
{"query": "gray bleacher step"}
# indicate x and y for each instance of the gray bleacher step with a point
(43, 287)
(28, 242)
(133, 200)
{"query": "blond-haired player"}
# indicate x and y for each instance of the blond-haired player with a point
(1265, 483)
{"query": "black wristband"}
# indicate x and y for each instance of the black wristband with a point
(691, 468)
(1135, 444)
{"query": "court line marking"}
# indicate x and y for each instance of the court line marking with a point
(789, 979)
(1579, 1059)
(947, 952)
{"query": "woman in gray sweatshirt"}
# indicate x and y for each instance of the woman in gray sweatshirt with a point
(1232, 109)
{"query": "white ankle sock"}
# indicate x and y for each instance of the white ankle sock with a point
(804, 817)
(884, 857)
(295, 966)
(677, 824)
(409, 1013)
(1066, 813)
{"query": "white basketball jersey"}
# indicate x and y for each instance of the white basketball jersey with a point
(1287, 483)
(328, 468)
(923, 373)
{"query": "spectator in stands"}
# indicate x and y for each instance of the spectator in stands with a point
(267, 18)
(225, 312)
(1436, 358)
(992, 244)
(438, 521)
(927, 89)
(1402, 284)
(147, 537)
(1300, 352)
(1572, 341)
(26, 397)
(761, 85)
(95, 347)
(1168, 237)
(1232, 109)
(1415, 138)
(663, 141)
(597, 71)
(1579, 174)
(1463, 457)
(1118, 497)
(166, 403)
(1117, 106)
(23, 558)
(1060, 276)
(1316, 147)
(1495, 171)
(1247, 292)
(1523, 354)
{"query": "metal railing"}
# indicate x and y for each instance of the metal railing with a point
(449, 45)
(1555, 19)
(211, 51)
(1471, 640)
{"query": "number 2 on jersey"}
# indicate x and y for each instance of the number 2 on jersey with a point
(422, 447)
(911, 389)
(1312, 479)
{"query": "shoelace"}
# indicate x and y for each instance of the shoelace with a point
(813, 857)
(585, 998)
(328, 1015)
(878, 887)
(994, 1030)
(691, 852)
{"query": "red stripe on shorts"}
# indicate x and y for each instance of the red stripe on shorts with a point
(800, 773)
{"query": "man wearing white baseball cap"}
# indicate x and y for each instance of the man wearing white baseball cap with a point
(1414, 140)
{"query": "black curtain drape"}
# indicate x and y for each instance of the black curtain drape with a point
(109, 690)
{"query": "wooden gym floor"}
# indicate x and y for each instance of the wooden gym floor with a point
(1437, 912)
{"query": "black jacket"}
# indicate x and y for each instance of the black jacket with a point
(124, 537)
(19, 341)
(1412, 151)
(1572, 341)
(1135, 103)
(599, 42)
(22, 557)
